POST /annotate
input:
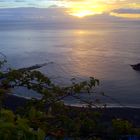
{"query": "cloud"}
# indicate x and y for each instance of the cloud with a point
(19, 0)
(127, 13)
(35, 14)
(82, 8)
(51, 15)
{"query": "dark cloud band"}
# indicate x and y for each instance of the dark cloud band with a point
(127, 11)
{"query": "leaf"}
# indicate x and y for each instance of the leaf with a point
(7, 115)
(40, 134)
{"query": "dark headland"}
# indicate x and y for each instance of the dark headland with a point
(136, 67)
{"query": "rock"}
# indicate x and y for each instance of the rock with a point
(136, 67)
(34, 67)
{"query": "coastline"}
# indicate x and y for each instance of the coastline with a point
(131, 114)
(20, 100)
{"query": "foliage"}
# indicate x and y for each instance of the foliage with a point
(49, 116)
(15, 128)
(122, 126)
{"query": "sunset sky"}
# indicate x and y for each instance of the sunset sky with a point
(82, 8)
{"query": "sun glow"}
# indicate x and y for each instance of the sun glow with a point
(82, 13)
(83, 8)
(87, 8)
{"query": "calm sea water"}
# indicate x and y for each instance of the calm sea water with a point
(103, 51)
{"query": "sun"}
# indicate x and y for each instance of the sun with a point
(82, 13)
(84, 9)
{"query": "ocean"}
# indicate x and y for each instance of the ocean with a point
(103, 50)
